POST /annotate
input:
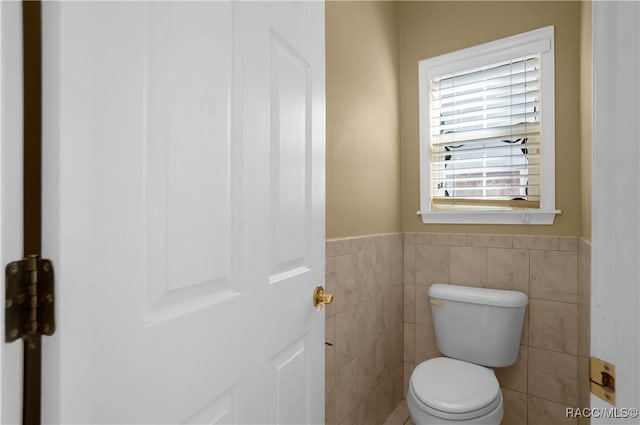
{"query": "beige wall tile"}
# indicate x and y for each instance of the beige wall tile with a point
(515, 408)
(514, 377)
(330, 400)
(330, 248)
(554, 275)
(389, 393)
(384, 240)
(367, 243)
(366, 373)
(584, 245)
(423, 305)
(553, 326)
(367, 282)
(330, 284)
(377, 242)
(381, 366)
(378, 343)
(409, 237)
(536, 242)
(364, 243)
(425, 344)
(409, 303)
(409, 271)
(373, 413)
(397, 292)
(449, 239)
(397, 263)
(377, 315)
(347, 336)
(468, 266)
(346, 279)
(345, 246)
(584, 330)
(584, 273)
(423, 238)
(491, 241)
(330, 350)
(350, 419)
(397, 338)
(508, 269)
(399, 415)
(409, 342)
(408, 368)
(553, 376)
(346, 390)
(369, 327)
(398, 393)
(393, 301)
(376, 409)
(385, 402)
(367, 333)
(524, 340)
(363, 413)
(584, 389)
(545, 412)
(383, 268)
(388, 304)
(568, 243)
(388, 355)
(395, 238)
(432, 264)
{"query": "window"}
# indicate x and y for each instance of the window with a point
(487, 133)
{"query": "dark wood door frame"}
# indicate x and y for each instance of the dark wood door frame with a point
(32, 181)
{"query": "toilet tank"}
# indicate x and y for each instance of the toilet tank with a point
(478, 325)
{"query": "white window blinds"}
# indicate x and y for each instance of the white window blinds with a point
(485, 135)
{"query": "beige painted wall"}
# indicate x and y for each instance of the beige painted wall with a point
(585, 119)
(432, 28)
(363, 153)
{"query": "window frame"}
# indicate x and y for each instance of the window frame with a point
(537, 41)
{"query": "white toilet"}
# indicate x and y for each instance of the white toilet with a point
(476, 329)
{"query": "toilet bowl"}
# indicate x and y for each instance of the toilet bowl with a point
(449, 391)
(476, 329)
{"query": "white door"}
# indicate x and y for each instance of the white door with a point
(10, 194)
(615, 295)
(184, 211)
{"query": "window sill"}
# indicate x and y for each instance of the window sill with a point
(489, 217)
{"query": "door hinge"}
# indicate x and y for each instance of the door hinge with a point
(603, 380)
(29, 300)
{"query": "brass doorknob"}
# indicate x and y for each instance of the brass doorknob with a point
(320, 298)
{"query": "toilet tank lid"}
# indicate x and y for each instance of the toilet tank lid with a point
(473, 295)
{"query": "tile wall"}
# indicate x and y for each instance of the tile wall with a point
(364, 327)
(551, 371)
(379, 329)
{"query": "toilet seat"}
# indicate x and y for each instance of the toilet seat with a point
(455, 390)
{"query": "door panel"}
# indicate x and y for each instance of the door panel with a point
(187, 144)
(615, 260)
(290, 140)
(291, 384)
(11, 196)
